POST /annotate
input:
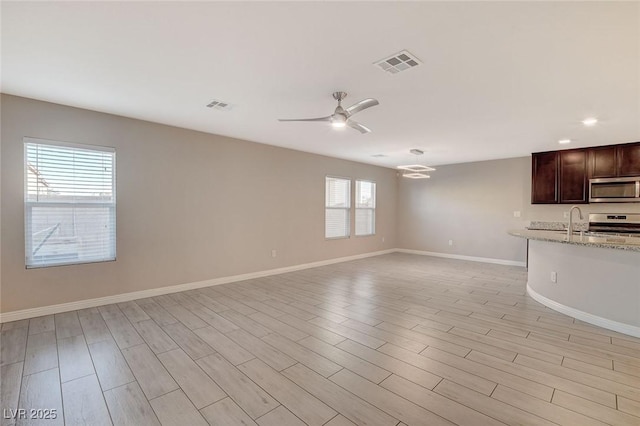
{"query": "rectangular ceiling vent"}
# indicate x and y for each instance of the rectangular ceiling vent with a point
(400, 61)
(223, 106)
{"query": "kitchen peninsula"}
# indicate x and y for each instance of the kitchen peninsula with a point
(591, 277)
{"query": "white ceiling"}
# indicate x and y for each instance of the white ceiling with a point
(498, 79)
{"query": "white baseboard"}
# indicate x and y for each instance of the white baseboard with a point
(125, 297)
(620, 327)
(462, 257)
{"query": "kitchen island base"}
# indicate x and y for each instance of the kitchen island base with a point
(596, 285)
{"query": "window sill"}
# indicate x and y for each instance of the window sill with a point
(55, 265)
(337, 238)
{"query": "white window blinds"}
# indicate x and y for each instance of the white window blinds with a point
(365, 207)
(337, 207)
(70, 203)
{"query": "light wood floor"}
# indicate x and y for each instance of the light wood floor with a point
(394, 339)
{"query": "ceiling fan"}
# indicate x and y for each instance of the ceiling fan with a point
(341, 117)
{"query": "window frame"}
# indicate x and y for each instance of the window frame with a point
(29, 205)
(373, 209)
(348, 209)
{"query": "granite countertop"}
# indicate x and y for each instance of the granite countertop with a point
(610, 242)
(557, 226)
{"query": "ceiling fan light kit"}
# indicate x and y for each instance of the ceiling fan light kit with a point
(341, 117)
(339, 121)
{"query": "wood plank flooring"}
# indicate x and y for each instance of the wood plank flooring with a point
(397, 339)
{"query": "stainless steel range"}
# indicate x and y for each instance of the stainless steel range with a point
(615, 223)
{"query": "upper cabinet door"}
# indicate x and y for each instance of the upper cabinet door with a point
(629, 159)
(602, 162)
(573, 176)
(544, 179)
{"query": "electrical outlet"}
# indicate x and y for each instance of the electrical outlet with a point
(273, 253)
(450, 242)
(383, 239)
(516, 213)
(565, 215)
(554, 277)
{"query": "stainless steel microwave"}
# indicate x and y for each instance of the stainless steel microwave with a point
(614, 190)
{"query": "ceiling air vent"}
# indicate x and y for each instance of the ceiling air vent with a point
(378, 155)
(399, 62)
(223, 106)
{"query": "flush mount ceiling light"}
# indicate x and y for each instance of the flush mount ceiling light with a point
(591, 121)
(564, 141)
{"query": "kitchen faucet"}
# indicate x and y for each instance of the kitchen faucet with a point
(570, 228)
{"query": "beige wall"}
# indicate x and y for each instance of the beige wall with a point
(191, 206)
(473, 204)
(194, 206)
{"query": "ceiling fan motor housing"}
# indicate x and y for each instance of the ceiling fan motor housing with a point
(339, 96)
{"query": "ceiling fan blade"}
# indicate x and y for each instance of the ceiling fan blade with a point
(306, 119)
(359, 127)
(359, 106)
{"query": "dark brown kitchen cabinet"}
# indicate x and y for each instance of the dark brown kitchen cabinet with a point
(629, 159)
(559, 177)
(573, 176)
(544, 180)
(603, 162)
(562, 177)
(614, 161)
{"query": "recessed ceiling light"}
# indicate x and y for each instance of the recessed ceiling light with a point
(590, 121)
(564, 141)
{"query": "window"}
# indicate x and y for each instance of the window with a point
(365, 207)
(337, 207)
(70, 203)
